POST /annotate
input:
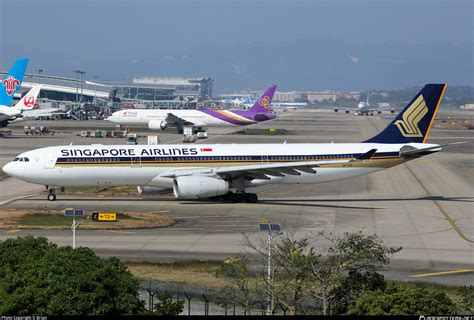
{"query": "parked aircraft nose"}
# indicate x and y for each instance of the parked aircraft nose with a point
(9, 169)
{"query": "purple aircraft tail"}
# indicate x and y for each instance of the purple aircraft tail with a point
(262, 105)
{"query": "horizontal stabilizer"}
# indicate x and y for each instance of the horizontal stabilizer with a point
(411, 152)
(368, 155)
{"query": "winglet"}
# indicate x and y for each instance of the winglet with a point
(368, 155)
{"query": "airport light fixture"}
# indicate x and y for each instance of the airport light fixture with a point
(79, 72)
(74, 213)
(273, 229)
(40, 71)
(95, 89)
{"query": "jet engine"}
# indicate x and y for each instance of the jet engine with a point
(336, 109)
(392, 111)
(199, 187)
(152, 191)
(157, 125)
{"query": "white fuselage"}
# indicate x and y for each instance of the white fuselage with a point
(142, 117)
(363, 107)
(142, 165)
(7, 112)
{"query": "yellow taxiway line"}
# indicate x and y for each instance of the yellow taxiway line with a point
(441, 273)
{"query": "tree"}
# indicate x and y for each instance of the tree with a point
(166, 306)
(349, 253)
(242, 281)
(467, 299)
(352, 288)
(37, 277)
(292, 278)
(336, 276)
(403, 299)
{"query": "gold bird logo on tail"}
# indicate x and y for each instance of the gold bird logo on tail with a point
(411, 117)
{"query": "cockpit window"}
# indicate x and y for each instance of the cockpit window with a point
(22, 159)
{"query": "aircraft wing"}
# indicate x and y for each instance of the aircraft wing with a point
(39, 112)
(264, 170)
(253, 171)
(174, 120)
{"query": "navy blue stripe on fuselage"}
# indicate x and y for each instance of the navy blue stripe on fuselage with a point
(201, 158)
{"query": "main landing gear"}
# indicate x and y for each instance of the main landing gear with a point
(238, 197)
(51, 193)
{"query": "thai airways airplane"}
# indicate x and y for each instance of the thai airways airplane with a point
(161, 119)
(228, 170)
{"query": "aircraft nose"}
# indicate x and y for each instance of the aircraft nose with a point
(8, 169)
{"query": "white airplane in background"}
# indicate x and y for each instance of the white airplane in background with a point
(23, 109)
(162, 119)
(364, 108)
(207, 171)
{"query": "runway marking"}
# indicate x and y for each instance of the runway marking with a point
(213, 216)
(440, 273)
(117, 231)
(6, 202)
(230, 225)
(13, 231)
(440, 208)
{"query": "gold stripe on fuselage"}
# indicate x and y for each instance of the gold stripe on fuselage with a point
(382, 162)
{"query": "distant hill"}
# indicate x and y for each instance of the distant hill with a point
(319, 62)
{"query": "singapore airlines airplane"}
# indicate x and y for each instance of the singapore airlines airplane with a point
(208, 171)
(162, 119)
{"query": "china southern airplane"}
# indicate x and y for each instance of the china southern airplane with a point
(228, 170)
(11, 82)
(162, 119)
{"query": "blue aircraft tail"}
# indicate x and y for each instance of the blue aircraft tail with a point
(414, 122)
(12, 81)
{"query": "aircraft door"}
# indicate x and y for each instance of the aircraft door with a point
(136, 162)
(49, 160)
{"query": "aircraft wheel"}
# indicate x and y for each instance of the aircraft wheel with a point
(51, 197)
(237, 197)
(228, 196)
(251, 198)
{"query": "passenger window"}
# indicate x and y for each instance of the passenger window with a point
(16, 159)
(27, 160)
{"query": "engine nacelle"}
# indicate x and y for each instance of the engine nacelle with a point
(336, 109)
(199, 187)
(157, 125)
(392, 111)
(152, 191)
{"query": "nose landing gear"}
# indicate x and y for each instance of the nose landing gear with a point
(51, 193)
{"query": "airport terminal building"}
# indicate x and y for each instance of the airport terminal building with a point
(148, 91)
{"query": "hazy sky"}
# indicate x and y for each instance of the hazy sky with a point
(63, 31)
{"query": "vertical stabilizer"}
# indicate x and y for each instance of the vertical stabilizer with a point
(12, 81)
